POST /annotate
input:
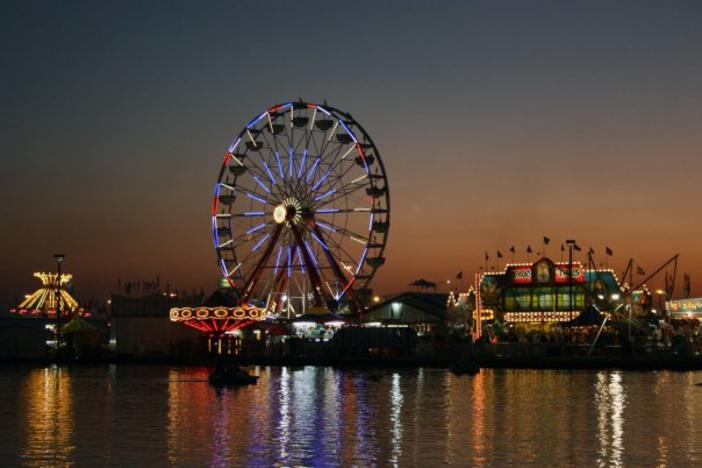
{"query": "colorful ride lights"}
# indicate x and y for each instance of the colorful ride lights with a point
(181, 314)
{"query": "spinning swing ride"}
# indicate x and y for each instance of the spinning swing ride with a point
(301, 211)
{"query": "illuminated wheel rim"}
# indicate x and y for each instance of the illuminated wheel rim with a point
(301, 209)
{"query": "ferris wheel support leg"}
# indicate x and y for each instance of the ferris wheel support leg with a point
(277, 289)
(319, 297)
(259, 267)
(355, 303)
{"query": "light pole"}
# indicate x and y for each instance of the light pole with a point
(571, 244)
(660, 294)
(57, 311)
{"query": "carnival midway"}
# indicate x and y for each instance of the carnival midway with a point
(300, 219)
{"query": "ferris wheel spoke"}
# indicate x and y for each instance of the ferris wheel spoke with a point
(319, 237)
(342, 210)
(261, 176)
(250, 164)
(332, 156)
(341, 194)
(354, 261)
(253, 196)
(261, 184)
(271, 177)
(303, 164)
(269, 164)
(339, 159)
(255, 274)
(342, 231)
(341, 250)
(311, 268)
(303, 140)
(321, 180)
(250, 214)
(250, 235)
(313, 169)
(326, 143)
(339, 176)
(317, 148)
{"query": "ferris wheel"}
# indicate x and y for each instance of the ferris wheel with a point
(301, 210)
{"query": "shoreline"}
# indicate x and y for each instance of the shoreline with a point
(630, 363)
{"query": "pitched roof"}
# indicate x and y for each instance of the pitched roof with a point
(218, 299)
(431, 303)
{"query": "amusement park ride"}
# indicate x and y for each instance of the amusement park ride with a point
(300, 218)
(50, 297)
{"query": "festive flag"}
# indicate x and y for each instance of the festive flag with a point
(591, 251)
(562, 248)
(546, 240)
(459, 275)
(528, 249)
(499, 254)
(640, 271)
(487, 257)
(577, 247)
(511, 249)
(608, 251)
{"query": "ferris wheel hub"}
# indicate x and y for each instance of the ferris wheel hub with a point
(289, 211)
(280, 213)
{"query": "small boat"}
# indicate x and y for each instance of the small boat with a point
(237, 377)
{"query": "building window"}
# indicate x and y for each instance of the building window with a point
(545, 298)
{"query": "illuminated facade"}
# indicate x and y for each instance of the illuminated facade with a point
(422, 311)
(685, 308)
(545, 291)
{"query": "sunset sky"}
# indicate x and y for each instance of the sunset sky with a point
(498, 122)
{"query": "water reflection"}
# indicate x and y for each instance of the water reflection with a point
(48, 414)
(328, 417)
(284, 418)
(396, 410)
(610, 400)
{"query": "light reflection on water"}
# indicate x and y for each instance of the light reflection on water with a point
(127, 415)
(611, 400)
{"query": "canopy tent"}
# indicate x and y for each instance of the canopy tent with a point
(588, 317)
(77, 324)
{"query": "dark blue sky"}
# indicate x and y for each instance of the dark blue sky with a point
(498, 122)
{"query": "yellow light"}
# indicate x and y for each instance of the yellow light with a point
(376, 298)
(178, 314)
(279, 214)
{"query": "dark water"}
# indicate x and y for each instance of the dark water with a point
(132, 415)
